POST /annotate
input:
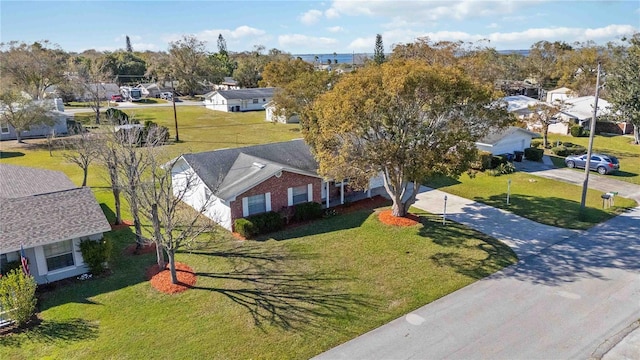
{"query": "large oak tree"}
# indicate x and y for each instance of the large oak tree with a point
(405, 119)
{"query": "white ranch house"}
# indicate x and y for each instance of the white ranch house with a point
(272, 116)
(238, 100)
(506, 141)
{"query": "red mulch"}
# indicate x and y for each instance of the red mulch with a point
(364, 204)
(238, 236)
(387, 218)
(125, 224)
(145, 249)
(161, 280)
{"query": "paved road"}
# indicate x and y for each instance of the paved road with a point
(133, 105)
(561, 304)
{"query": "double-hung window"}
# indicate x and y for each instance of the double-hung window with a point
(256, 204)
(59, 255)
(300, 194)
(4, 128)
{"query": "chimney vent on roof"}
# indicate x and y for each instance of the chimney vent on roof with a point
(259, 165)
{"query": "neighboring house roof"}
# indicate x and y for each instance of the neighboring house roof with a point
(230, 172)
(228, 80)
(20, 181)
(582, 107)
(243, 94)
(496, 136)
(520, 103)
(48, 218)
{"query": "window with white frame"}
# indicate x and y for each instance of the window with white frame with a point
(256, 204)
(255, 101)
(300, 194)
(59, 255)
(4, 128)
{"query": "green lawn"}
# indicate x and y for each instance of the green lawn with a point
(293, 295)
(621, 147)
(539, 199)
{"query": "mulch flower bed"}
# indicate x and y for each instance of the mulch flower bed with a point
(147, 248)
(386, 217)
(125, 224)
(161, 280)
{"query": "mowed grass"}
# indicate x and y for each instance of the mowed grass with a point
(291, 295)
(621, 147)
(539, 199)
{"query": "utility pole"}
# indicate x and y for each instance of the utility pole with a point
(592, 130)
(175, 114)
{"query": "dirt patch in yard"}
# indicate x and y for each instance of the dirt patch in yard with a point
(161, 279)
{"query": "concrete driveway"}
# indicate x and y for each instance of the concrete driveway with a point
(561, 304)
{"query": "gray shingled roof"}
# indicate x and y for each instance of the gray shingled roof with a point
(47, 218)
(246, 94)
(231, 172)
(18, 181)
(495, 136)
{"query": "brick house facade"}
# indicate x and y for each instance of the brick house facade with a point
(278, 188)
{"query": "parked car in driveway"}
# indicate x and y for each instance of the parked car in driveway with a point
(166, 95)
(116, 98)
(602, 163)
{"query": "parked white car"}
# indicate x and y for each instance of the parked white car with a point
(166, 95)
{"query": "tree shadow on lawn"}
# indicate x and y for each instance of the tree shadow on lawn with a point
(276, 290)
(52, 331)
(320, 226)
(612, 245)
(455, 235)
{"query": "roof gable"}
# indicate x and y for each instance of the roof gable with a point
(496, 136)
(233, 171)
(245, 94)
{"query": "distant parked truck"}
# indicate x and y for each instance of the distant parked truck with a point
(131, 93)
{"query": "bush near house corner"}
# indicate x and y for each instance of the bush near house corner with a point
(245, 228)
(259, 224)
(96, 254)
(579, 131)
(533, 154)
(483, 161)
(536, 143)
(568, 149)
(307, 211)
(18, 296)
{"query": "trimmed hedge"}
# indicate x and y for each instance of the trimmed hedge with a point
(579, 131)
(564, 150)
(533, 154)
(307, 211)
(245, 228)
(536, 143)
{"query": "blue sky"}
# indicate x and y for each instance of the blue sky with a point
(314, 27)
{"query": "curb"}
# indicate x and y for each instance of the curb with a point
(611, 343)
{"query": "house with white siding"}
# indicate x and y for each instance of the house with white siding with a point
(8, 132)
(46, 214)
(238, 100)
(240, 182)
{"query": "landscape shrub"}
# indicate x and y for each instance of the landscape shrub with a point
(267, 222)
(533, 154)
(564, 150)
(536, 143)
(307, 211)
(577, 131)
(245, 228)
(497, 160)
(18, 296)
(96, 254)
(483, 161)
(9, 265)
(502, 169)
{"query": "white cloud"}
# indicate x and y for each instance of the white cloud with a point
(493, 26)
(335, 29)
(332, 13)
(311, 17)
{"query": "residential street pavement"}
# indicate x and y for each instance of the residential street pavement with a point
(573, 294)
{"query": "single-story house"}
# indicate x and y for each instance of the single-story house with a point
(239, 182)
(104, 90)
(519, 105)
(44, 212)
(507, 140)
(8, 132)
(228, 83)
(271, 116)
(151, 90)
(238, 100)
(559, 94)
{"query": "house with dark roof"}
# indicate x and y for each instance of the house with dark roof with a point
(46, 214)
(507, 140)
(238, 100)
(240, 182)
